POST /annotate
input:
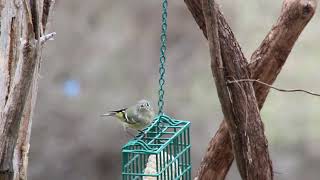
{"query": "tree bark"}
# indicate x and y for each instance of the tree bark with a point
(266, 63)
(238, 101)
(21, 38)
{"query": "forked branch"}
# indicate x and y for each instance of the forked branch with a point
(267, 62)
(238, 103)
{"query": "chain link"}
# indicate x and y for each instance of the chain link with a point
(163, 49)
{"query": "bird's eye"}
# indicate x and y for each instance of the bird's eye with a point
(147, 104)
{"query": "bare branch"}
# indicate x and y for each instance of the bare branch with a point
(273, 87)
(45, 38)
(268, 60)
(18, 96)
(47, 9)
(12, 112)
(244, 122)
(217, 160)
(286, 31)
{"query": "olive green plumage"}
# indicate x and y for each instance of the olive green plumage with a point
(137, 117)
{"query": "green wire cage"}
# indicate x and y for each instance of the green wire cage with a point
(162, 153)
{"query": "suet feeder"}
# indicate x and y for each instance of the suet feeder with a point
(162, 153)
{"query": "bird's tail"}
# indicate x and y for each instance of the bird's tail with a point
(109, 114)
(119, 114)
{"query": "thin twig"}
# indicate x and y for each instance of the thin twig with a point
(43, 39)
(47, 37)
(276, 88)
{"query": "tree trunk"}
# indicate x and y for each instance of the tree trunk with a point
(265, 65)
(22, 27)
(238, 101)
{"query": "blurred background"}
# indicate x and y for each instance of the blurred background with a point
(106, 56)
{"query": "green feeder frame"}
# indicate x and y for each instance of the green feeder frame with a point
(162, 153)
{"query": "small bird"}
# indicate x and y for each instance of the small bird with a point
(137, 117)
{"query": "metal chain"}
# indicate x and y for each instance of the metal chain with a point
(163, 49)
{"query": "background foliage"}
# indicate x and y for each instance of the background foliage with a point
(105, 56)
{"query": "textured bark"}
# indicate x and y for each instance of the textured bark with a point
(20, 53)
(219, 156)
(268, 60)
(238, 101)
(266, 63)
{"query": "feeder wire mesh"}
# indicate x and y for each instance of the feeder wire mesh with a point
(163, 151)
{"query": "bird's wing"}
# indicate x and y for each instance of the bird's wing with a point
(123, 115)
(131, 117)
(117, 113)
(120, 110)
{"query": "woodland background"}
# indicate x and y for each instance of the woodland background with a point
(105, 56)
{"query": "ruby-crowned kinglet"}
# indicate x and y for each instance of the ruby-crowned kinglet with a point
(137, 117)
